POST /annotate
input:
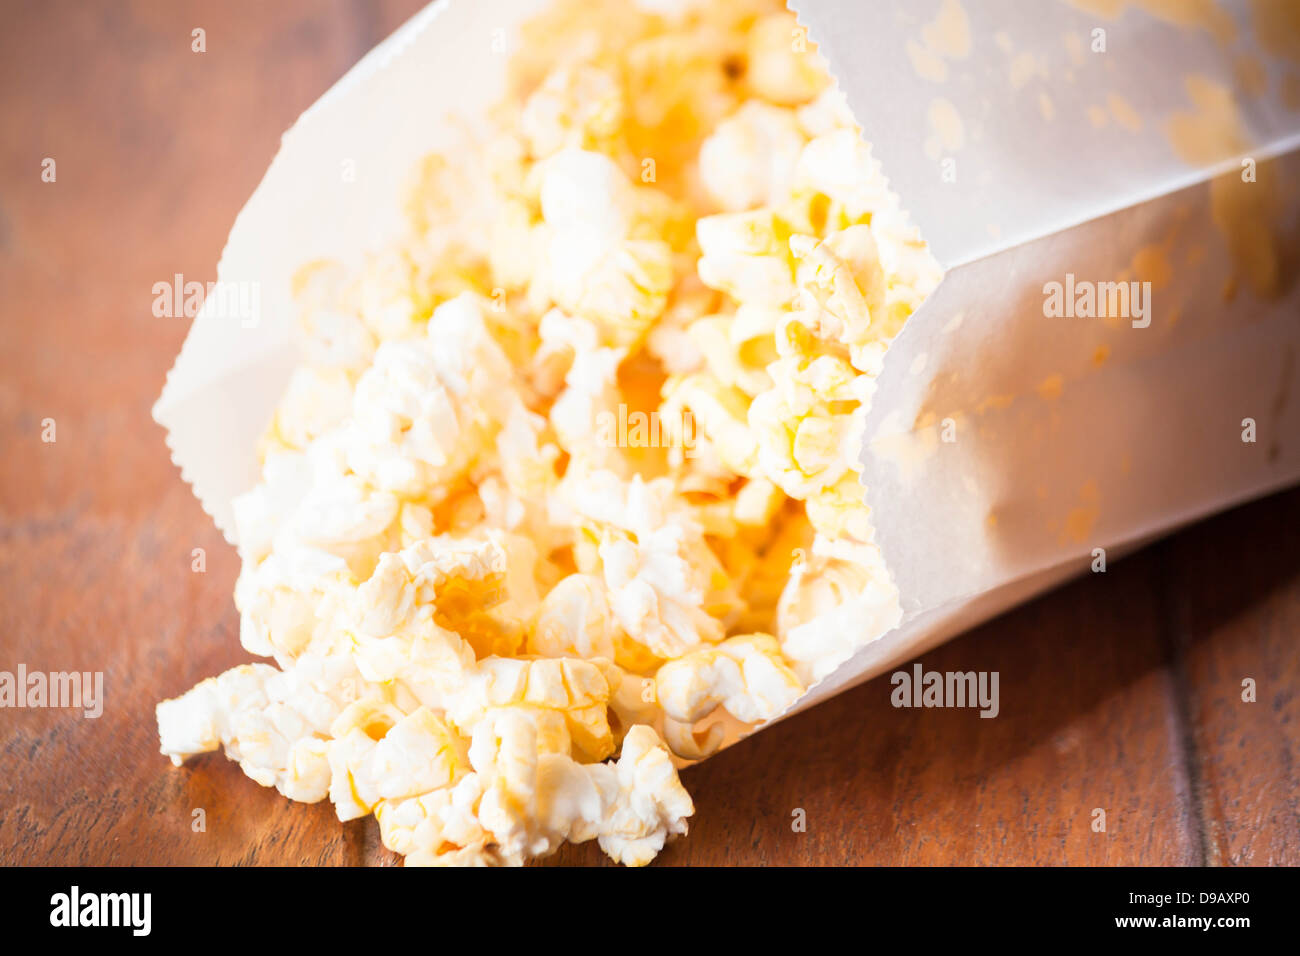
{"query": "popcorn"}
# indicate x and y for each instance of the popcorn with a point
(688, 743)
(438, 587)
(840, 510)
(586, 192)
(266, 719)
(757, 502)
(744, 675)
(662, 578)
(839, 165)
(738, 348)
(575, 620)
(523, 802)
(826, 114)
(783, 67)
(649, 805)
(802, 453)
(315, 401)
(720, 411)
(389, 297)
(422, 828)
(621, 286)
(281, 600)
(841, 285)
(591, 387)
(630, 807)
(495, 627)
(573, 689)
(420, 753)
(840, 592)
(425, 410)
(577, 105)
(352, 751)
(308, 500)
(746, 256)
(750, 159)
(334, 336)
(594, 268)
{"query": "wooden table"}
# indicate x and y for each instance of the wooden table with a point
(1121, 691)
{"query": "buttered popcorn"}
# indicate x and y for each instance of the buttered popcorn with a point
(494, 627)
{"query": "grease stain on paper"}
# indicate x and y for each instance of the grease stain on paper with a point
(1051, 387)
(1245, 214)
(1151, 264)
(1249, 75)
(906, 449)
(1082, 518)
(1124, 113)
(1075, 49)
(1209, 132)
(1024, 67)
(1191, 14)
(1277, 25)
(947, 132)
(1291, 92)
(946, 37)
(1243, 211)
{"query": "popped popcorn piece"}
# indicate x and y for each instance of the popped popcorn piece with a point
(352, 750)
(426, 410)
(841, 285)
(315, 401)
(747, 256)
(273, 723)
(333, 335)
(420, 753)
(720, 411)
(687, 742)
(738, 348)
(838, 165)
(591, 389)
(842, 591)
(450, 597)
(783, 66)
(575, 620)
(745, 675)
(827, 113)
(622, 285)
(573, 689)
(282, 602)
(840, 510)
(586, 192)
(536, 801)
(578, 105)
(666, 587)
(750, 159)
(439, 827)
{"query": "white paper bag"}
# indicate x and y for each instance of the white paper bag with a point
(1006, 445)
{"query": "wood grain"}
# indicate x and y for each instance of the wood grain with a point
(1230, 587)
(1120, 691)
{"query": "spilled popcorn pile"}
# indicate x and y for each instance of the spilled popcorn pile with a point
(497, 623)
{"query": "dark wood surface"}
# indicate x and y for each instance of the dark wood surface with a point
(1120, 691)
